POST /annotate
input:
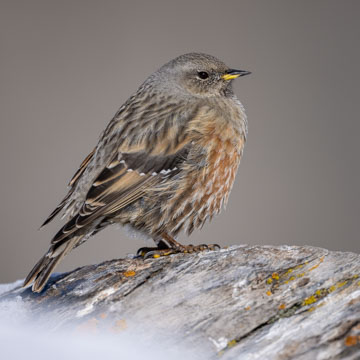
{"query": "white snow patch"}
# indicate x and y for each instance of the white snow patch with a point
(24, 336)
(7, 287)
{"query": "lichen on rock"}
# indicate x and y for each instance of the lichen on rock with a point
(258, 302)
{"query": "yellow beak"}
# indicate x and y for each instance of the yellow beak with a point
(233, 74)
(230, 76)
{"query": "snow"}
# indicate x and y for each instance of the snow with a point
(7, 287)
(23, 337)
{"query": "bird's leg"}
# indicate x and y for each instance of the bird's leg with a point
(187, 248)
(173, 247)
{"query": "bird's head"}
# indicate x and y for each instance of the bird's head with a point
(198, 74)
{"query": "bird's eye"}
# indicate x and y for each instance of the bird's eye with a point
(203, 75)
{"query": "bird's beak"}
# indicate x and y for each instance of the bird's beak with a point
(233, 74)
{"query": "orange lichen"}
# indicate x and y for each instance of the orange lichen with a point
(269, 281)
(315, 307)
(231, 343)
(282, 306)
(269, 293)
(129, 273)
(248, 308)
(341, 284)
(320, 293)
(337, 286)
(317, 265)
(275, 276)
(351, 340)
(314, 267)
(309, 300)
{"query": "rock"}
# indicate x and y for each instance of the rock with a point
(244, 302)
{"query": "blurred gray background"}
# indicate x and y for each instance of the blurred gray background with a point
(66, 67)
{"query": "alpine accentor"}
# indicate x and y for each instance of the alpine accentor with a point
(166, 161)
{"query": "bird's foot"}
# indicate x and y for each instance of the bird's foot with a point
(161, 245)
(148, 253)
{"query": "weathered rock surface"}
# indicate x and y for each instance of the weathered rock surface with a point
(244, 302)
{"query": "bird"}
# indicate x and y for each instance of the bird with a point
(165, 163)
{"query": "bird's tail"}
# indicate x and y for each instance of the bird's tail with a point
(46, 265)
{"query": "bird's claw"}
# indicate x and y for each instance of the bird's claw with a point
(214, 247)
(158, 253)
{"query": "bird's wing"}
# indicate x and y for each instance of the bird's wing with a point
(141, 125)
(72, 185)
(139, 162)
(81, 169)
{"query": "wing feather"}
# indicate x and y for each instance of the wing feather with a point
(133, 153)
(82, 168)
(122, 184)
(72, 183)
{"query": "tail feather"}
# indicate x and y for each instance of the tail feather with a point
(44, 275)
(46, 265)
(36, 270)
